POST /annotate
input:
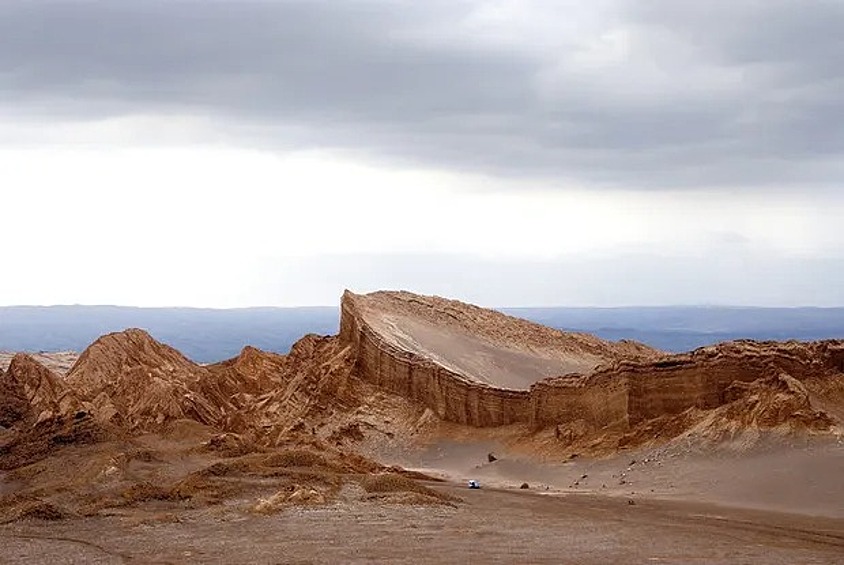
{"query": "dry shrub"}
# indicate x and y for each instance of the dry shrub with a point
(42, 511)
(21, 507)
(143, 492)
(208, 489)
(144, 455)
(351, 432)
(293, 495)
(394, 483)
(231, 445)
(227, 468)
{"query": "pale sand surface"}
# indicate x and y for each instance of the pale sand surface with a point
(475, 358)
(803, 477)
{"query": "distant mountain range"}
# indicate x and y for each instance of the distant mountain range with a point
(204, 335)
(682, 328)
(208, 335)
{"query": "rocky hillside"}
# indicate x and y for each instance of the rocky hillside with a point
(401, 361)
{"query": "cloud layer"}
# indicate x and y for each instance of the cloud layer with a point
(643, 95)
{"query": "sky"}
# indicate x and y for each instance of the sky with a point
(506, 153)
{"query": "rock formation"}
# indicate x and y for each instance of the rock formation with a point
(30, 391)
(469, 365)
(482, 368)
(136, 382)
(400, 357)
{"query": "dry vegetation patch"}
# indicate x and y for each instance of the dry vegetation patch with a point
(392, 484)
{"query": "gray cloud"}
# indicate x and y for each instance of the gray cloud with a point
(738, 93)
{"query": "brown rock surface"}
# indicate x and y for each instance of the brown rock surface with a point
(478, 367)
(59, 362)
(31, 391)
(256, 371)
(142, 383)
(467, 364)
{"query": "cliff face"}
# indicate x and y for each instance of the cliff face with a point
(627, 393)
(700, 379)
(449, 394)
(468, 376)
(481, 373)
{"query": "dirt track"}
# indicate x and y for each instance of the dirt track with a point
(491, 526)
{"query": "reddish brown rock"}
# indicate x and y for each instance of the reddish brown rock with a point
(468, 364)
(482, 368)
(144, 383)
(31, 391)
(256, 371)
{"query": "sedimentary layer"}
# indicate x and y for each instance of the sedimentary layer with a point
(482, 368)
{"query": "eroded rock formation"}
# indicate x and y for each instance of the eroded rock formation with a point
(30, 391)
(468, 364)
(135, 382)
(401, 358)
(482, 368)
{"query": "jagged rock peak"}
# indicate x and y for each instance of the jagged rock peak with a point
(129, 352)
(37, 391)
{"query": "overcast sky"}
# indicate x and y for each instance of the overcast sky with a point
(508, 153)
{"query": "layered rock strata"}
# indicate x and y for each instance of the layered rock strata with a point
(468, 376)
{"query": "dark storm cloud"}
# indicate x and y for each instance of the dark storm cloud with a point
(735, 93)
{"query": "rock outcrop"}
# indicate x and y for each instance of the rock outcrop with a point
(30, 391)
(468, 364)
(626, 393)
(257, 372)
(314, 381)
(401, 359)
(135, 382)
(40, 412)
(482, 368)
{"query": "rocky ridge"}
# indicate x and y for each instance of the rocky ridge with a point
(381, 374)
(622, 385)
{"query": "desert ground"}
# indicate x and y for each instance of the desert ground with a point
(774, 504)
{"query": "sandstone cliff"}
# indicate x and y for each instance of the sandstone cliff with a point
(467, 364)
(398, 355)
(625, 394)
(482, 368)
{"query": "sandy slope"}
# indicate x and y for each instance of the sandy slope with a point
(801, 478)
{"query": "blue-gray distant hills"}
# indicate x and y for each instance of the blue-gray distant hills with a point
(204, 335)
(208, 335)
(682, 328)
